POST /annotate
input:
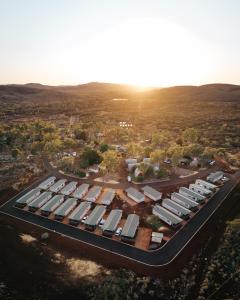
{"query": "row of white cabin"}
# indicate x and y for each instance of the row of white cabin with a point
(81, 192)
(179, 207)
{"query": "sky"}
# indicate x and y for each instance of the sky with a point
(140, 42)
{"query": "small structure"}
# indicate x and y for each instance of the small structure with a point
(138, 172)
(176, 208)
(108, 196)
(28, 197)
(40, 201)
(215, 177)
(58, 185)
(151, 193)
(81, 191)
(112, 221)
(95, 217)
(47, 183)
(65, 208)
(93, 193)
(93, 169)
(157, 237)
(166, 216)
(206, 185)
(69, 188)
(79, 212)
(184, 201)
(130, 228)
(51, 205)
(191, 194)
(135, 195)
(199, 189)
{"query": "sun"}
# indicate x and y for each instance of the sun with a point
(147, 52)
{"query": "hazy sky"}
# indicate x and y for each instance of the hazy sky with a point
(145, 42)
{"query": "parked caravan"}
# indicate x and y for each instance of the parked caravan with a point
(28, 197)
(51, 205)
(39, 201)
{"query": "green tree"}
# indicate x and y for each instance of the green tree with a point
(175, 151)
(190, 135)
(90, 157)
(157, 156)
(134, 149)
(103, 147)
(16, 153)
(110, 161)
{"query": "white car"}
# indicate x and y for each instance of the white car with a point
(84, 219)
(118, 231)
(102, 222)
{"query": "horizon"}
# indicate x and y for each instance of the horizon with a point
(142, 43)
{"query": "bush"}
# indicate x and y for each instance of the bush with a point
(161, 173)
(139, 178)
(81, 174)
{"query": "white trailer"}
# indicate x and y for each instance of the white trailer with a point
(79, 212)
(69, 188)
(191, 194)
(40, 201)
(28, 197)
(199, 189)
(176, 208)
(57, 186)
(51, 205)
(184, 201)
(64, 209)
(135, 195)
(93, 193)
(166, 216)
(205, 184)
(152, 193)
(81, 191)
(47, 183)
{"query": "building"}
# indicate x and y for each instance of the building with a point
(93, 169)
(93, 193)
(130, 228)
(151, 193)
(166, 216)
(28, 197)
(79, 212)
(65, 208)
(157, 237)
(108, 196)
(47, 183)
(112, 221)
(40, 201)
(95, 217)
(176, 208)
(135, 195)
(199, 189)
(206, 185)
(69, 188)
(184, 201)
(215, 177)
(51, 205)
(58, 185)
(81, 191)
(191, 194)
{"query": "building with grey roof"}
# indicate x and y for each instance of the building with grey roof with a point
(112, 221)
(79, 212)
(215, 177)
(39, 201)
(135, 195)
(64, 209)
(166, 216)
(175, 208)
(206, 185)
(95, 217)
(47, 183)
(28, 197)
(58, 185)
(199, 189)
(184, 201)
(151, 193)
(130, 228)
(69, 188)
(81, 191)
(51, 205)
(93, 193)
(191, 194)
(108, 196)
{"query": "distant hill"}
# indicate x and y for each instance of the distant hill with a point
(106, 91)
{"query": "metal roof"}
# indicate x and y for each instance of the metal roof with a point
(81, 190)
(80, 211)
(152, 193)
(213, 177)
(29, 196)
(96, 215)
(45, 183)
(176, 206)
(108, 196)
(113, 220)
(159, 210)
(52, 203)
(68, 204)
(199, 188)
(130, 226)
(134, 193)
(41, 199)
(93, 193)
(70, 187)
(206, 183)
(190, 193)
(184, 199)
(57, 185)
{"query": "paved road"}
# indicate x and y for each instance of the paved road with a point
(157, 258)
